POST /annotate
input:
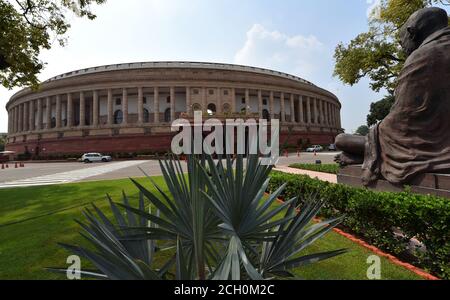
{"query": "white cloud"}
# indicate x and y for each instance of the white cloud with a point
(297, 54)
(309, 58)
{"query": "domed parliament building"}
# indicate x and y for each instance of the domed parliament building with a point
(128, 108)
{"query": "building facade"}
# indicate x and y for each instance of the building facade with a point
(130, 107)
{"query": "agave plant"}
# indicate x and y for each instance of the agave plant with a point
(216, 221)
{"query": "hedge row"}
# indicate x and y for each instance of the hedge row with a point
(325, 168)
(374, 216)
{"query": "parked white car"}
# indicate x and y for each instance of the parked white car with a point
(95, 157)
(315, 148)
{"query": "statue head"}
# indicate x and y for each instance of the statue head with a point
(421, 25)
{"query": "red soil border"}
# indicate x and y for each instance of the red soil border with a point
(391, 258)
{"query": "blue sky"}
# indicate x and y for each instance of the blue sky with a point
(293, 36)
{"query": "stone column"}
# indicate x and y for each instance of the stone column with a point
(247, 101)
(233, 100)
(336, 118)
(282, 108)
(125, 106)
(18, 127)
(31, 126)
(140, 105)
(110, 108)
(58, 111)
(301, 113)
(334, 115)
(9, 122)
(328, 113)
(316, 112)
(13, 114)
(339, 118)
(331, 115)
(20, 118)
(82, 110)
(188, 101)
(16, 119)
(292, 108)
(39, 115)
(48, 111)
(321, 112)
(219, 101)
(13, 119)
(69, 110)
(156, 104)
(204, 103)
(26, 118)
(308, 110)
(260, 104)
(172, 104)
(272, 108)
(95, 106)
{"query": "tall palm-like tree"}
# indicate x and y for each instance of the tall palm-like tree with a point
(217, 220)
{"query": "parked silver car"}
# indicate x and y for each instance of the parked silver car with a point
(315, 148)
(95, 157)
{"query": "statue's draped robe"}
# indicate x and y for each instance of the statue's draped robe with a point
(415, 137)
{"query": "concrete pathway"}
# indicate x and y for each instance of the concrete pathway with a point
(319, 175)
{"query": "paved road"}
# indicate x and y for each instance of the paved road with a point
(35, 174)
(69, 176)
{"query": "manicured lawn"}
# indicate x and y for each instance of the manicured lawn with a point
(43, 216)
(324, 168)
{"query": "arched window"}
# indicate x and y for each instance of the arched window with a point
(196, 107)
(146, 116)
(211, 109)
(53, 122)
(167, 115)
(118, 117)
(266, 114)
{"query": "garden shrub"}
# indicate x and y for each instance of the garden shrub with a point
(325, 168)
(374, 216)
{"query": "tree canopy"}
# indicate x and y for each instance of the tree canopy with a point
(362, 130)
(377, 54)
(29, 26)
(379, 110)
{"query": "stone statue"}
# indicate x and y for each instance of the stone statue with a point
(415, 137)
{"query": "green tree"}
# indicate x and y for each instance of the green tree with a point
(379, 110)
(377, 54)
(29, 26)
(362, 130)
